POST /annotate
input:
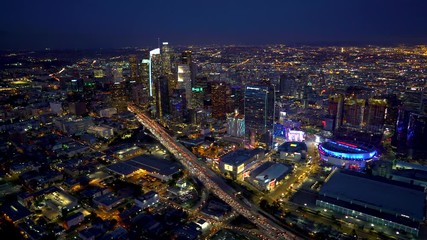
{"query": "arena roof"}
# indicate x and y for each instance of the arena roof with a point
(348, 147)
(376, 193)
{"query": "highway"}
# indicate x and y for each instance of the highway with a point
(211, 181)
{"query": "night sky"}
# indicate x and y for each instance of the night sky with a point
(37, 24)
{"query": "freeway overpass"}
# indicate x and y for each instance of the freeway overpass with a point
(211, 181)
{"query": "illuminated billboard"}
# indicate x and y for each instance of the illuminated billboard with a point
(240, 168)
(295, 136)
(228, 167)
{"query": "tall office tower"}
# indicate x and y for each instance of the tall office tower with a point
(178, 105)
(219, 100)
(184, 80)
(77, 108)
(139, 95)
(392, 110)
(354, 112)
(236, 124)
(186, 58)
(376, 114)
(259, 104)
(237, 98)
(335, 108)
(118, 97)
(75, 85)
(416, 138)
(412, 103)
(117, 74)
(197, 98)
(166, 59)
(162, 97)
(98, 73)
(145, 81)
(308, 94)
(134, 69)
(287, 85)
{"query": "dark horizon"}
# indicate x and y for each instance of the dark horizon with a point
(110, 24)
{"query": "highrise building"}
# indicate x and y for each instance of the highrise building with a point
(117, 73)
(162, 97)
(287, 85)
(259, 110)
(197, 98)
(77, 108)
(417, 132)
(184, 80)
(186, 58)
(178, 105)
(134, 69)
(219, 100)
(237, 98)
(377, 109)
(75, 85)
(335, 108)
(166, 59)
(354, 112)
(235, 124)
(118, 97)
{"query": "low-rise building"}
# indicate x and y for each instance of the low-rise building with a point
(74, 219)
(101, 131)
(293, 151)
(147, 200)
(236, 162)
(375, 199)
(107, 202)
(268, 175)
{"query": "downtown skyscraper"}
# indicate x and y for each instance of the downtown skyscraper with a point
(259, 112)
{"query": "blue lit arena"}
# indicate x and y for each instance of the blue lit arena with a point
(347, 154)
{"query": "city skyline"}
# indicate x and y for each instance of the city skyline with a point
(109, 24)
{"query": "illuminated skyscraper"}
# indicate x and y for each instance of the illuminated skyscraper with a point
(377, 109)
(134, 69)
(259, 110)
(197, 94)
(235, 124)
(184, 80)
(187, 58)
(166, 53)
(75, 85)
(162, 97)
(118, 98)
(178, 105)
(219, 101)
(166, 59)
(237, 98)
(354, 112)
(335, 108)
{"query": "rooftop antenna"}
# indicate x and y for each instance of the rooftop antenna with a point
(158, 42)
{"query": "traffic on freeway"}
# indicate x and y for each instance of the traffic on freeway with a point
(212, 181)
